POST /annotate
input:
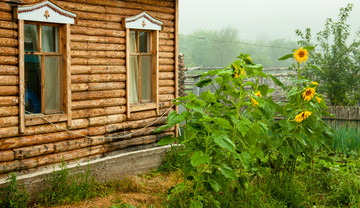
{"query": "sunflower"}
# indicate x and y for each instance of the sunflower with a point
(301, 55)
(308, 93)
(254, 102)
(314, 83)
(258, 93)
(302, 116)
(318, 99)
(237, 71)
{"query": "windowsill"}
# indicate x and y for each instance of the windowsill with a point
(142, 106)
(37, 119)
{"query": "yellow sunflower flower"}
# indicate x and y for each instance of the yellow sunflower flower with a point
(308, 94)
(254, 102)
(314, 83)
(302, 116)
(258, 93)
(301, 55)
(318, 99)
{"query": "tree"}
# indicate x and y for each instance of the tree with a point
(337, 57)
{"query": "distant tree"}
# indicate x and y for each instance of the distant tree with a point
(217, 48)
(338, 58)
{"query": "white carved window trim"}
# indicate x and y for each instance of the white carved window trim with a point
(143, 22)
(47, 13)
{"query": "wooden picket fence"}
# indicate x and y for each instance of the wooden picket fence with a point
(344, 116)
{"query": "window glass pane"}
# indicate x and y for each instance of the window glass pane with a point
(31, 37)
(32, 84)
(146, 87)
(144, 42)
(133, 42)
(134, 79)
(52, 84)
(49, 39)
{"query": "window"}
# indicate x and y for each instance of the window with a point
(142, 46)
(140, 67)
(43, 69)
(44, 64)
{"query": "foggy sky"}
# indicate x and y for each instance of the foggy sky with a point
(269, 19)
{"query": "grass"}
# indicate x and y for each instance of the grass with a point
(347, 140)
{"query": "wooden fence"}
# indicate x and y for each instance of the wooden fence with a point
(344, 115)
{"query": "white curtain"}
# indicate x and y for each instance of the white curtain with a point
(134, 70)
(31, 38)
(49, 39)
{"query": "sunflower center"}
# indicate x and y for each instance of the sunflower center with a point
(308, 92)
(301, 54)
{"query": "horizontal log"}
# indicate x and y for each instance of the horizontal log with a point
(166, 35)
(88, 95)
(83, 69)
(9, 121)
(9, 100)
(166, 68)
(166, 55)
(166, 48)
(9, 111)
(81, 7)
(142, 115)
(100, 24)
(7, 155)
(31, 120)
(112, 128)
(99, 17)
(8, 70)
(9, 42)
(8, 80)
(5, 33)
(97, 46)
(166, 104)
(131, 142)
(168, 29)
(11, 60)
(93, 112)
(97, 39)
(166, 97)
(97, 121)
(9, 131)
(98, 78)
(98, 61)
(166, 75)
(166, 61)
(133, 133)
(142, 107)
(166, 82)
(98, 103)
(97, 54)
(97, 86)
(160, 13)
(97, 32)
(8, 51)
(166, 90)
(9, 90)
(155, 3)
(6, 16)
(5, 7)
(27, 152)
(15, 142)
(165, 42)
(8, 25)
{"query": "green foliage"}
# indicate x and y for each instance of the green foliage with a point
(338, 57)
(66, 187)
(347, 140)
(217, 48)
(13, 195)
(231, 136)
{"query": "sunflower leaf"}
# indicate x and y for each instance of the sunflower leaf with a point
(315, 67)
(287, 56)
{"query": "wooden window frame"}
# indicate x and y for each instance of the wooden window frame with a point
(154, 52)
(65, 76)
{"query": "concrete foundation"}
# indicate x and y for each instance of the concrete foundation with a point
(108, 168)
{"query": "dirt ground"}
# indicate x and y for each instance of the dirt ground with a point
(147, 190)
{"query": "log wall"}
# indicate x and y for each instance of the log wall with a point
(98, 82)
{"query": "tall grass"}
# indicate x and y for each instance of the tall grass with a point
(347, 140)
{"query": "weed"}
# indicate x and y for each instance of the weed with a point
(66, 187)
(12, 195)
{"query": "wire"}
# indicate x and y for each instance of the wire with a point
(113, 137)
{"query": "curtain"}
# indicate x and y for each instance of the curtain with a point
(49, 39)
(31, 38)
(134, 70)
(52, 84)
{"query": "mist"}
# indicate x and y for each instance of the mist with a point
(263, 19)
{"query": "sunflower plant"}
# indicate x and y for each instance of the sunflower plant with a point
(238, 132)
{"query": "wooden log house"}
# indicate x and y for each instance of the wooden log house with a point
(83, 79)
